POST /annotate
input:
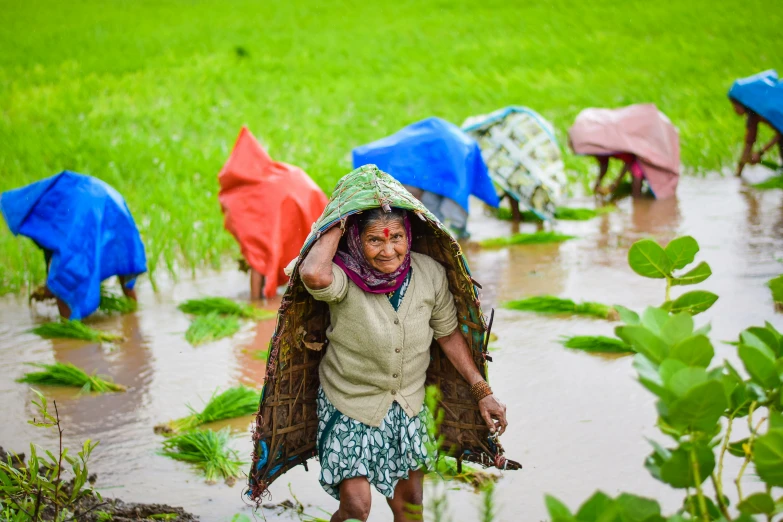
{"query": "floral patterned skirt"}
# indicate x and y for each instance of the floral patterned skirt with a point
(385, 455)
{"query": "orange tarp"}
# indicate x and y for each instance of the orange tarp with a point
(269, 208)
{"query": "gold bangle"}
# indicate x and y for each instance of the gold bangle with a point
(480, 390)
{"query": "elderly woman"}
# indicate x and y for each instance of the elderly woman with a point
(386, 305)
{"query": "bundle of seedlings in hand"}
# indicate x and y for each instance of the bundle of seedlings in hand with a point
(66, 374)
(208, 450)
(223, 306)
(596, 344)
(66, 329)
(525, 239)
(111, 303)
(547, 304)
(210, 327)
(232, 403)
(447, 469)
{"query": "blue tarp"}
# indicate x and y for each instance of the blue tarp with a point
(763, 94)
(433, 155)
(88, 229)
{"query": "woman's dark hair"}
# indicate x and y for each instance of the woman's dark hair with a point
(380, 216)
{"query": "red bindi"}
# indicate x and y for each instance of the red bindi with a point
(386, 232)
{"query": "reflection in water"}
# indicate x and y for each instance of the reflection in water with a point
(578, 422)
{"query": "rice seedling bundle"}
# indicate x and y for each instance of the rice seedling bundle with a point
(525, 239)
(563, 213)
(223, 306)
(446, 468)
(208, 450)
(596, 344)
(210, 327)
(111, 302)
(547, 304)
(66, 329)
(232, 403)
(66, 374)
(776, 286)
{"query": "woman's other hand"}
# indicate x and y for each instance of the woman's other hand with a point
(494, 414)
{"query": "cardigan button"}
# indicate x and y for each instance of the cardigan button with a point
(394, 392)
(397, 350)
(395, 376)
(396, 321)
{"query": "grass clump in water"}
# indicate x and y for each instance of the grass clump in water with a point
(66, 374)
(66, 329)
(111, 303)
(563, 213)
(596, 344)
(232, 403)
(535, 238)
(775, 182)
(547, 304)
(224, 306)
(207, 450)
(211, 327)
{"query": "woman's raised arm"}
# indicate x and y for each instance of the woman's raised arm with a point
(316, 269)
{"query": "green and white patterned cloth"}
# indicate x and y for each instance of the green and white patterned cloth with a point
(385, 455)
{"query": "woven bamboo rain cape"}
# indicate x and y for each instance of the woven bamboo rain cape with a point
(286, 424)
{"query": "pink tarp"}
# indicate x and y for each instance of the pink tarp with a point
(641, 130)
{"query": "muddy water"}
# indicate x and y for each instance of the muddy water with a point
(578, 421)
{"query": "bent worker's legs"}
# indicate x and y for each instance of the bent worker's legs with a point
(129, 292)
(355, 500)
(257, 282)
(636, 187)
(408, 498)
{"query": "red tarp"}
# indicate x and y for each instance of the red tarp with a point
(269, 208)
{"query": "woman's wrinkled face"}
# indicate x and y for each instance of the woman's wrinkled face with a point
(385, 245)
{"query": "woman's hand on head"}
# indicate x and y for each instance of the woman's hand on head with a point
(316, 269)
(494, 414)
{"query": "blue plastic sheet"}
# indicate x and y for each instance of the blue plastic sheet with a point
(88, 229)
(433, 155)
(763, 94)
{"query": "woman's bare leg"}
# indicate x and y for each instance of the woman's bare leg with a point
(355, 500)
(408, 498)
(256, 285)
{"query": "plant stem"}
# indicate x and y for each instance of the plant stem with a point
(748, 453)
(697, 480)
(668, 288)
(719, 497)
(719, 480)
(59, 465)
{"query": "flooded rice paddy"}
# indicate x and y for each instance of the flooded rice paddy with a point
(578, 422)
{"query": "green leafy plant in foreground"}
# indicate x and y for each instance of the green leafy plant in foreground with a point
(674, 361)
(37, 490)
(547, 304)
(208, 450)
(65, 329)
(224, 306)
(234, 402)
(211, 327)
(534, 238)
(66, 374)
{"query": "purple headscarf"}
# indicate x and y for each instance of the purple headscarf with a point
(356, 267)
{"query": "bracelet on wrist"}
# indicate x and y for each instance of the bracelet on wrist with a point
(480, 390)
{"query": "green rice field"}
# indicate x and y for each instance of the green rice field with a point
(149, 96)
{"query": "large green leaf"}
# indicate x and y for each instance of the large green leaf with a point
(627, 315)
(638, 509)
(557, 510)
(737, 448)
(593, 507)
(696, 350)
(654, 318)
(768, 457)
(698, 274)
(756, 504)
(765, 335)
(643, 341)
(777, 335)
(681, 382)
(691, 504)
(650, 378)
(694, 302)
(681, 251)
(700, 408)
(676, 328)
(648, 259)
(759, 362)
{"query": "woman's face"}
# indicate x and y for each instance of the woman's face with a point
(385, 245)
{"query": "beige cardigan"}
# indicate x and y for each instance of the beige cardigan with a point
(375, 355)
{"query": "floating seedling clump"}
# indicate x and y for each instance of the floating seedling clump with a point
(776, 286)
(596, 344)
(562, 213)
(115, 303)
(534, 238)
(211, 327)
(208, 451)
(547, 304)
(66, 329)
(223, 306)
(66, 374)
(232, 403)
